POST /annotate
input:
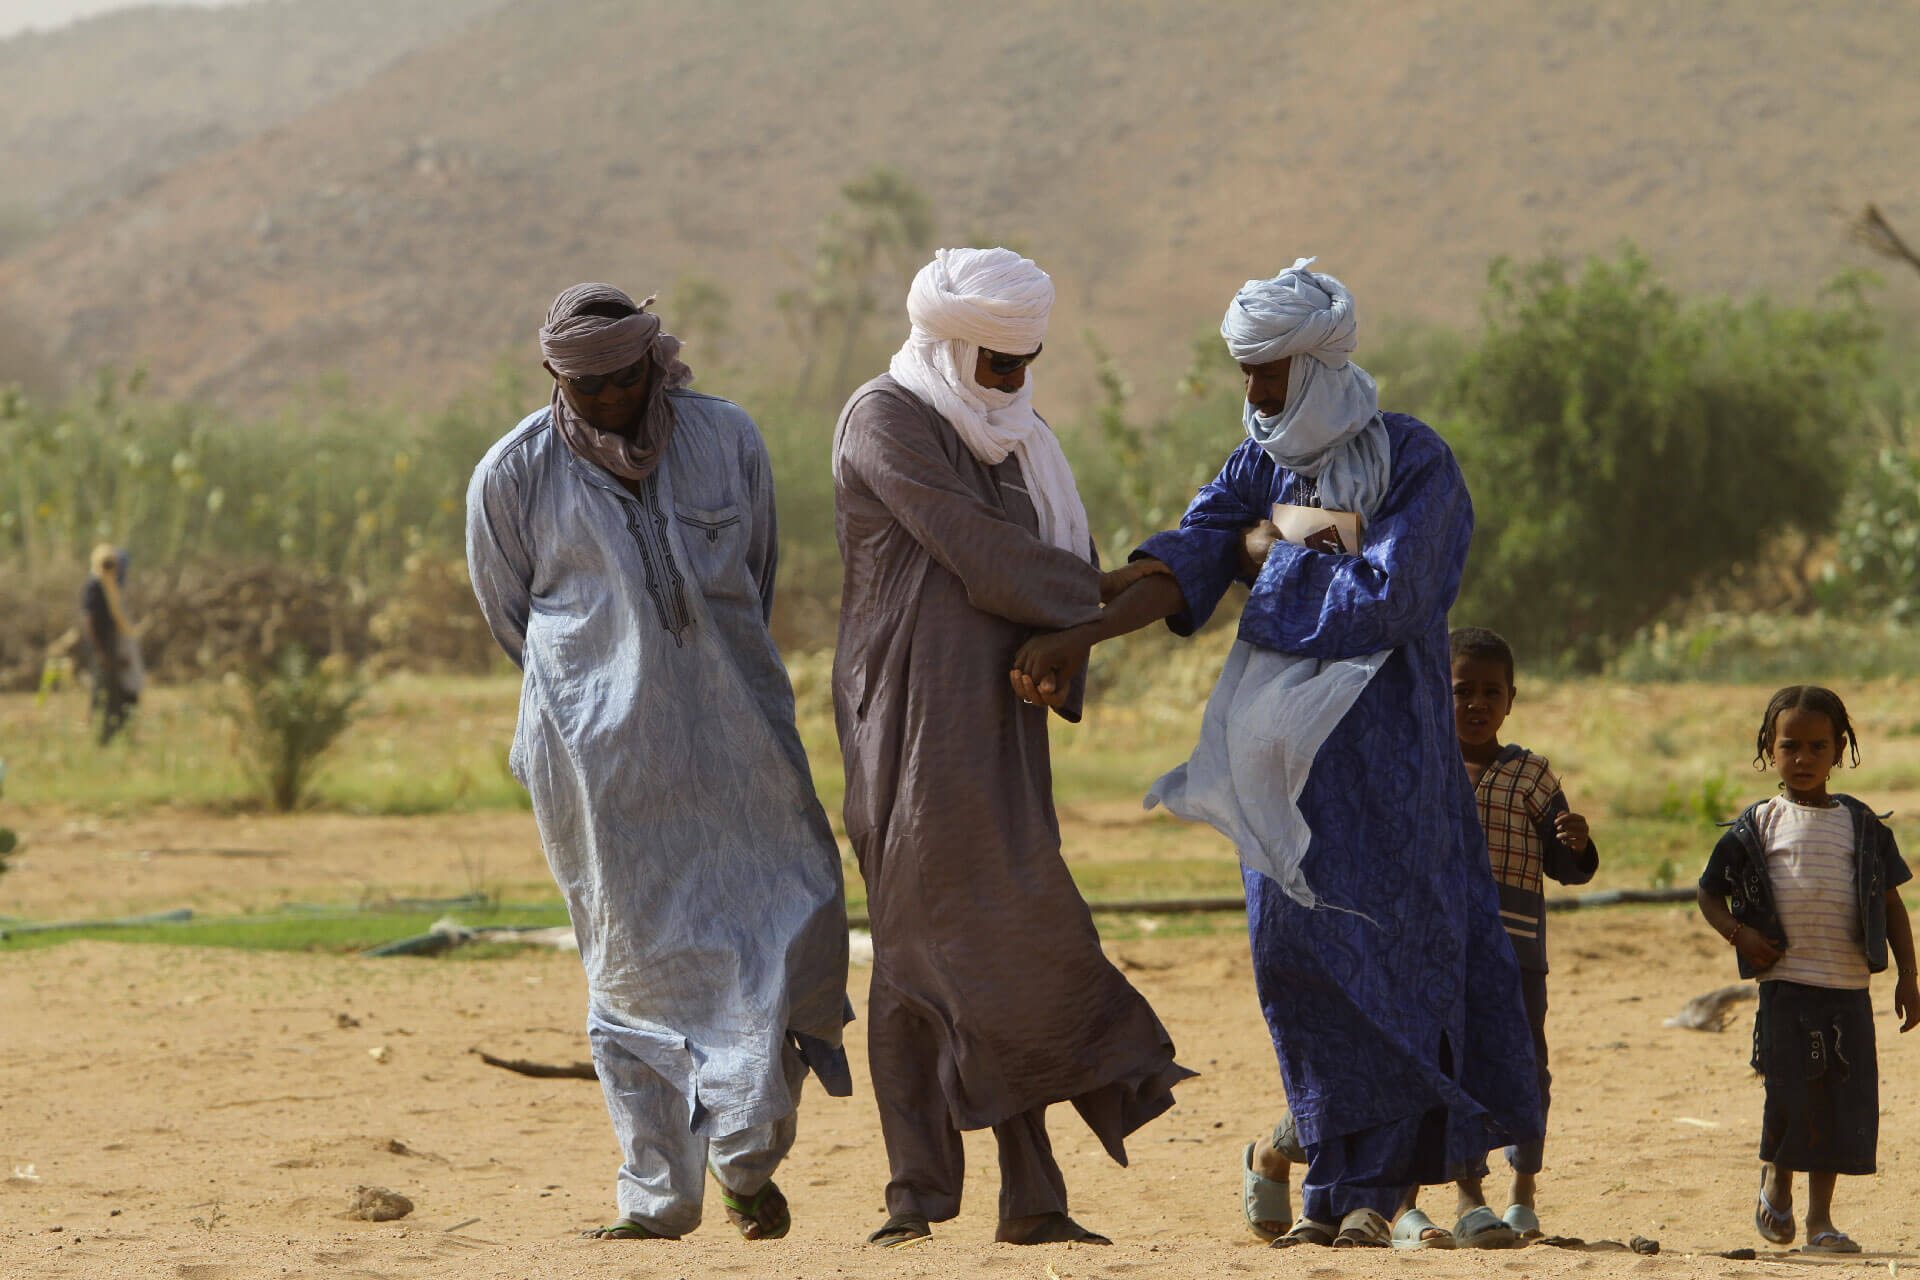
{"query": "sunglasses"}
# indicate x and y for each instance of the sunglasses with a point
(1002, 365)
(592, 384)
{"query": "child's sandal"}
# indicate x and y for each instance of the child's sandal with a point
(1773, 1225)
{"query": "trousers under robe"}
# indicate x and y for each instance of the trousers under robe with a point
(924, 1149)
(664, 1166)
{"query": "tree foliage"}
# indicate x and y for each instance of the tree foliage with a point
(1625, 446)
(1877, 544)
(866, 251)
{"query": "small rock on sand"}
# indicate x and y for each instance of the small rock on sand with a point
(377, 1204)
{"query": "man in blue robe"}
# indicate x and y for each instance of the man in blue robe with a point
(1328, 755)
(621, 542)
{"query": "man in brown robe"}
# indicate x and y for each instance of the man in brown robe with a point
(962, 534)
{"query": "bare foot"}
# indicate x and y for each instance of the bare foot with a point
(1270, 1164)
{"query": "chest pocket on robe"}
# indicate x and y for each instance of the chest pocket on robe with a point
(716, 543)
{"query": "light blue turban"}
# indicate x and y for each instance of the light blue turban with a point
(1330, 429)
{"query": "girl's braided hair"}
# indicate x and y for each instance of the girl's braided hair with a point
(1806, 697)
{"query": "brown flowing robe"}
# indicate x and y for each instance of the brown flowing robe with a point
(979, 932)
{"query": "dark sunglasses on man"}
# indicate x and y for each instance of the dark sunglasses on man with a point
(1002, 365)
(592, 384)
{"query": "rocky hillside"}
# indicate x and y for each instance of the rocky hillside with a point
(101, 109)
(410, 230)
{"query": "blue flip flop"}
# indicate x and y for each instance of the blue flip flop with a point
(1523, 1220)
(1410, 1232)
(1830, 1242)
(1772, 1224)
(1263, 1199)
(1481, 1228)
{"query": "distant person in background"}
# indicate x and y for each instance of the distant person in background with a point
(962, 533)
(1327, 753)
(113, 647)
(621, 542)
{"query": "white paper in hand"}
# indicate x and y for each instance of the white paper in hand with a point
(1297, 524)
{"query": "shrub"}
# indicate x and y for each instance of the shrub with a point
(1625, 446)
(1877, 543)
(289, 713)
(1768, 648)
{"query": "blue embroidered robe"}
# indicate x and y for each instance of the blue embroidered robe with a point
(1400, 997)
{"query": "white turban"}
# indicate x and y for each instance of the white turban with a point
(966, 299)
(1330, 429)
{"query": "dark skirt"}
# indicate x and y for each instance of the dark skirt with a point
(1815, 1046)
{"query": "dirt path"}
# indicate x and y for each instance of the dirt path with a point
(75, 866)
(202, 1114)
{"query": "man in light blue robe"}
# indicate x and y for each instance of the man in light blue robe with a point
(621, 543)
(1328, 755)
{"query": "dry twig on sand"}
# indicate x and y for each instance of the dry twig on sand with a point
(540, 1070)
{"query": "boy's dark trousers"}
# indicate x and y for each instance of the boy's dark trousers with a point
(1527, 1157)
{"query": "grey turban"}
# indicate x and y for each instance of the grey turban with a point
(577, 344)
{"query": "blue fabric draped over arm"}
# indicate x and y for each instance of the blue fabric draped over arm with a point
(1343, 606)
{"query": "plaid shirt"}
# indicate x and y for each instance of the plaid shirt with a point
(1519, 798)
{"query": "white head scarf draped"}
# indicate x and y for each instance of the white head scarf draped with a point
(1331, 429)
(966, 299)
(1271, 712)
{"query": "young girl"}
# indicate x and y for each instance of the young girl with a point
(1804, 889)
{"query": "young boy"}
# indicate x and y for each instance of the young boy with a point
(1531, 833)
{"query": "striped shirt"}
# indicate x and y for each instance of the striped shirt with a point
(1810, 862)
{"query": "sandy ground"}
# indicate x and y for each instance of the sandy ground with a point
(74, 866)
(203, 1114)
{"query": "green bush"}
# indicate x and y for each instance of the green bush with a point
(1877, 544)
(331, 484)
(289, 713)
(1625, 447)
(1769, 648)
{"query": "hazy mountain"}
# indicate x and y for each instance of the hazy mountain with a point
(102, 107)
(1151, 155)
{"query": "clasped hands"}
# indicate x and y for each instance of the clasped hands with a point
(1046, 666)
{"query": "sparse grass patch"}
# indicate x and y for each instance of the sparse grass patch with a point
(336, 932)
(1650, 765)
(418, 745)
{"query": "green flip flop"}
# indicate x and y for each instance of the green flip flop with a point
(760, 1216)
(626, 1229)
